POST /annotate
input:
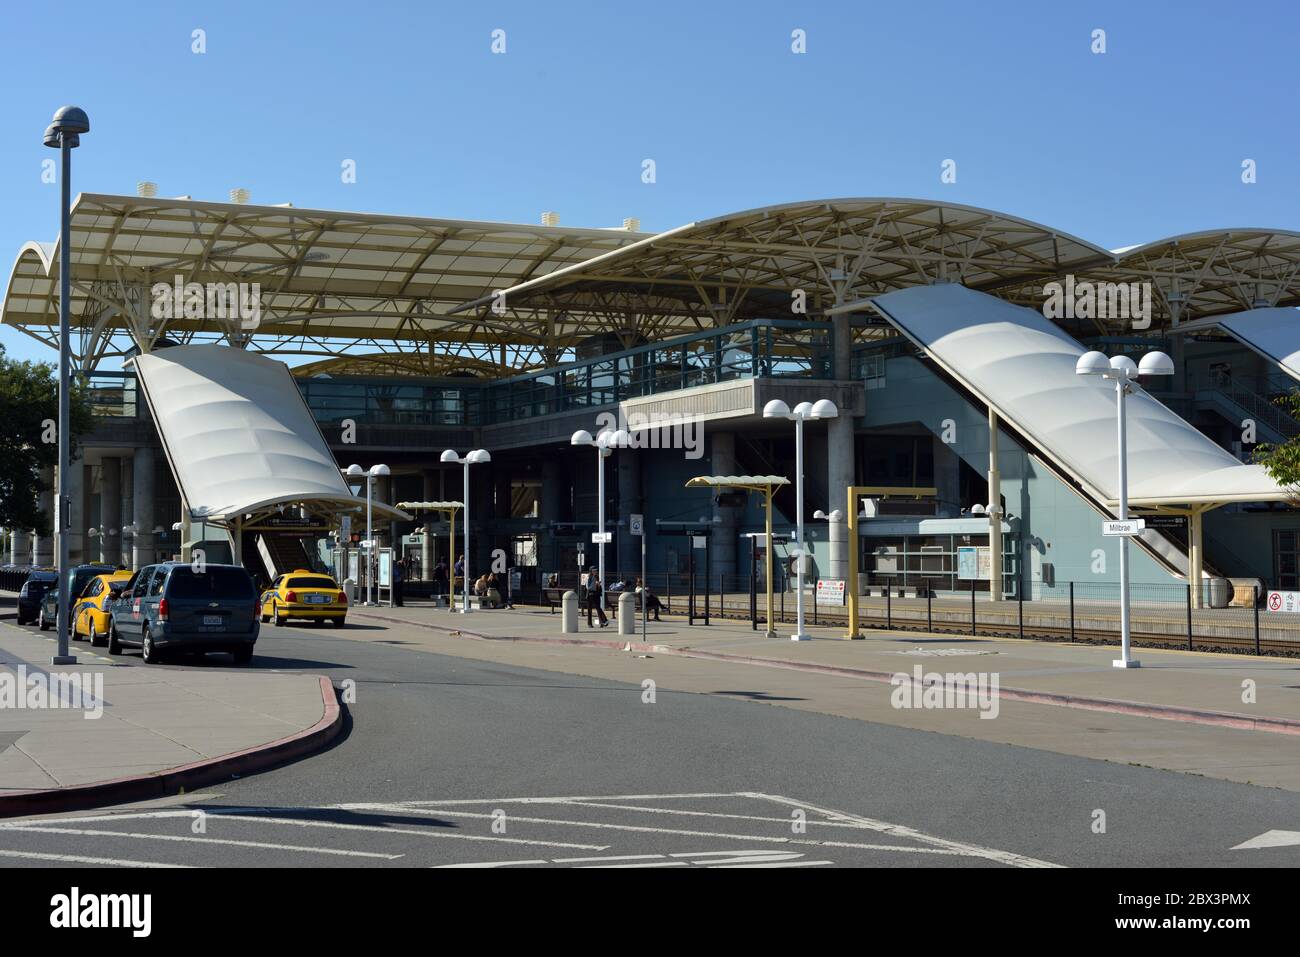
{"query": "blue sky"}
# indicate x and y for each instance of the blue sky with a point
(1143, 141)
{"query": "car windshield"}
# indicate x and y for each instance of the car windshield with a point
(79, 578)
(210, 583)
(304, 582)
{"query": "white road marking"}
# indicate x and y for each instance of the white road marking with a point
(140, 835)
(898, 830)
(78, 859)
(644, 829)
(1270, 839)
(243, 816)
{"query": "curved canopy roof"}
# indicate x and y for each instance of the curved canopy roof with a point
(323, 274)
(1022, 366)
(337, 282)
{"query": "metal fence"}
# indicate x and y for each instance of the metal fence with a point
(1161, 615)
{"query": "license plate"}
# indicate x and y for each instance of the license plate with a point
(213, 619)
(316, 599)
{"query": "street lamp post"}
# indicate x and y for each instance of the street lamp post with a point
(821, 409)
(374, 472)
(604, 444)
(1123, 371)
(64, 134)
(476, 457)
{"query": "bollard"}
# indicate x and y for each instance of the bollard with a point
(627, 614)
(569, 613)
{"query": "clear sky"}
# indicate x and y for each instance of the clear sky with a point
(1143, 141)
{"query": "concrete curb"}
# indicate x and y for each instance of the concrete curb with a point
(186, 777)
(1218, 719)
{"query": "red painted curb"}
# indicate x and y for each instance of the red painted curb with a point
(1220, 719)
(186, 776)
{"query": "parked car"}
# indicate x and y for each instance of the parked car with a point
(305, 595)
(171, 607)
(77, 579)
(31, 592)
(92, 611)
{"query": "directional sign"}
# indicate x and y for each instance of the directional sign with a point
(636, 524)
(598, 538)
(1127, 528)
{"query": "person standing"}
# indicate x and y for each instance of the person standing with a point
(595, 599)
(398, 575)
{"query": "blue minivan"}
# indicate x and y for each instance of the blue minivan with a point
(176, 607)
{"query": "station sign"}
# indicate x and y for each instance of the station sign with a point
(1125, 528)
(636, 524)
(601, 538)
(1284, 602)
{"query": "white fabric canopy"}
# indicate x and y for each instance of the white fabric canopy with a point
(1273, 333)
(1022, 365)
(238, 434)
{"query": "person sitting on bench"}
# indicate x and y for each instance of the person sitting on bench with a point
(652, 603)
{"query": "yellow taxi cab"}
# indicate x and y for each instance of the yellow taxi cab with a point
(307, 595)
(92, 609)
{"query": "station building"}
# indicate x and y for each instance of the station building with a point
(945, 335)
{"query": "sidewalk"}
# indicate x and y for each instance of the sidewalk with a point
(158, 729)
(1182, 711)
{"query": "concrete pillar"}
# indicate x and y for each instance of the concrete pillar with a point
(142, 553)
(428, 549)
(43, 545)
(110, 509)
(14, 537)
(629, 501)
(126, 507)
(722, 461)
(840, 451)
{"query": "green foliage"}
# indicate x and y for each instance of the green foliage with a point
(1282, 462)
(29, 403)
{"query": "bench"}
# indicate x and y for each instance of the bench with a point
(553, 597)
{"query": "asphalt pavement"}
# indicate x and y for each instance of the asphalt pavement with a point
(448, 761)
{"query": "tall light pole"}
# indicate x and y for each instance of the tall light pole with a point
(821, 409)
(64, 134)
(1123, 371)
(604, 444)
(374, 472)
(477, 457)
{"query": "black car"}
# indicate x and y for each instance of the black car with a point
(31, 593)
(174, 606)
(47, 614)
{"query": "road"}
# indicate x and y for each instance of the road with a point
(448, 761)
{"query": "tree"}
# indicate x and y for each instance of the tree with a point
(29, 412)
(1282, 462)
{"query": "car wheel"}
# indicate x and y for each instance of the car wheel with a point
(148, 651)
(114, 646)
(275, 615)
(41, 622)
(242, 656)
(94, 636)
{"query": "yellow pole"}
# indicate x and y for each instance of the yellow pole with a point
(851, 586)
(451, 559)
(771, 624)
